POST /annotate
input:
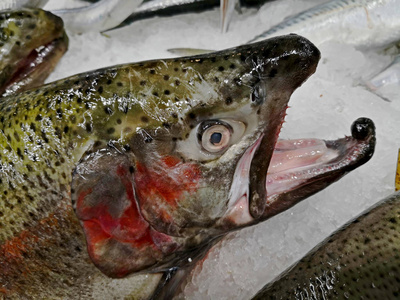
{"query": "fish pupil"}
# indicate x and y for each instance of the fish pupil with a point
(216, 138)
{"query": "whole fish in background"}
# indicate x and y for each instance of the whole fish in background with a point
(360, 261)
(100, 16)
(365, 24)
(137, 168)
(31, 43)
(390, 75)
(13, 4)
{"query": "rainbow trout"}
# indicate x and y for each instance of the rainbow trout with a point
(31, 43)
(136, 168)
(360, 261)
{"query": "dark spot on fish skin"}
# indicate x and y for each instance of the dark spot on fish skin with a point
(174, 139)
(166, 92)
(152, 71)
(393, 220)
(216, 79)
(16, 136)
(32, 26)
(126, 147)
(100, 89)
(144, 119)
(18, 23)
(184, 70)
(18, 43)
(166, 77)
(88, 127)
(242, 57)
(143, 82)
(119, 121)
(131, 169)
(155, 94)
(59, 113)
(192, 116)
(232, 66)
(38, 118)
(28, 37)
(108, 110)
(176, 69)
(166, 125)
(148, 139)
(177, 82)
(119, 83)
(174, 115)
(111, 130)
(272, 73)
(228, 101)
(213, 59)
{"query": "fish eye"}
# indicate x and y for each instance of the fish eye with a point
(214, 136)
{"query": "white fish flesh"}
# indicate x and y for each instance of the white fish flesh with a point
(362, 23)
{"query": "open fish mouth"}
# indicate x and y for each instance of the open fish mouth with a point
(298, 169)
(32, 70)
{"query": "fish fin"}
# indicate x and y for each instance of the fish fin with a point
(119, 240)
(188, 51)
(226, 11)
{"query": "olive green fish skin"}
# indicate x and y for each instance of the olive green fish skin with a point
(21, 32)
(141, 111)
(360, 261)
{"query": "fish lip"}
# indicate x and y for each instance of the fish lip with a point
(353, 151)
(40, 60)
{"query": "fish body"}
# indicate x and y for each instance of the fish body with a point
(32, 42)
(359, 261)
(135, 168)
(14, 4)
(390, 75)
(363, 23)
(99, 16)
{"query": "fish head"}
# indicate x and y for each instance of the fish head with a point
(230, 104)
(31, 43)
(190, 155)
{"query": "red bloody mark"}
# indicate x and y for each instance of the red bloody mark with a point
(167, 181)
(16, 247)
(119, 225)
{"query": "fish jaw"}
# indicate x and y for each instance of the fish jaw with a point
(33, 42)
(300, 168)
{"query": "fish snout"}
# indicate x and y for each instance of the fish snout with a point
(283, 62)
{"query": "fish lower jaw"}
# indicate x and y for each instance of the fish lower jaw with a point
(300, 168)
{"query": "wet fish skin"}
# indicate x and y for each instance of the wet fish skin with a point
(31, 43)
(360, 261)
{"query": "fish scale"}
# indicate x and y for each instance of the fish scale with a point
(360, 261)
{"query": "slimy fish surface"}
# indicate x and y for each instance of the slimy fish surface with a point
(363, 23)
(136, 168)
(31, 43)
(360, 261)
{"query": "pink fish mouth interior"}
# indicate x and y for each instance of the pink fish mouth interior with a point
(299, 168)
(34, 69)
(294, 161)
